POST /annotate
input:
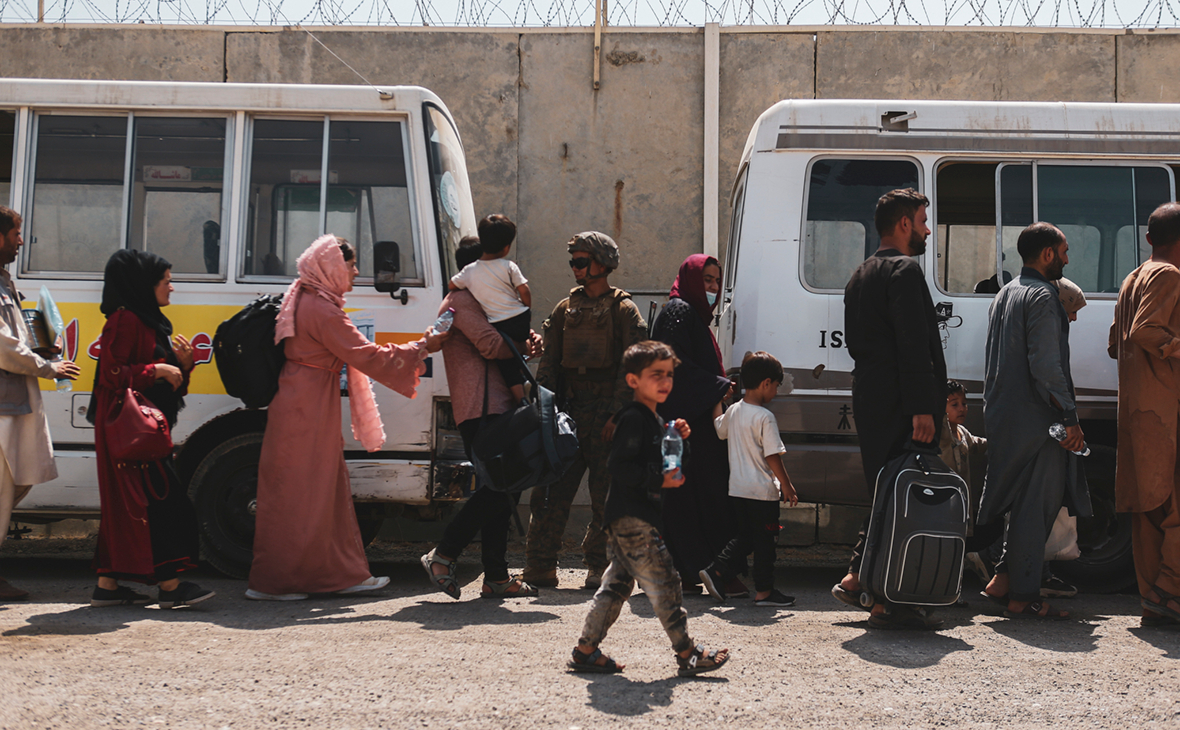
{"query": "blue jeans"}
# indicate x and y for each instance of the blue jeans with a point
(638, 554)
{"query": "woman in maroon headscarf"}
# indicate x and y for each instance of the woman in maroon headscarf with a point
(697, 522)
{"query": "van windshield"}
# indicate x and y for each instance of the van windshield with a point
(449, 188)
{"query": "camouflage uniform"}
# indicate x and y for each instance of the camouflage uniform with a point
(584, 342)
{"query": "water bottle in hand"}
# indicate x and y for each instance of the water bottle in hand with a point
(444, 322)
(673, 449)
(63, 384)
(1057, 431)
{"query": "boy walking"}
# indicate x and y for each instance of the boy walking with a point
(632, 518)
(757, 483)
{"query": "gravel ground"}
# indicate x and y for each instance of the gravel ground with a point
(411, 657)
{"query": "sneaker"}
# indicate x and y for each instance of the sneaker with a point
(9, 592)
(735, 588)
(713, 581)
(1054, 587)
(186, 594)
(372, 583)
(254, 595)
(593, 579)
(121, 596)
(982, 567)
(776, 598)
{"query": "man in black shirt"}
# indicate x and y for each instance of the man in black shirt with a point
(899, 377)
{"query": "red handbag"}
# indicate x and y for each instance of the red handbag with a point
(136, 430)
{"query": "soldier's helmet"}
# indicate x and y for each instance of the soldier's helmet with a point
(601, 247)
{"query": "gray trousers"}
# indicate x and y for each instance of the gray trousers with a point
(1033, 511)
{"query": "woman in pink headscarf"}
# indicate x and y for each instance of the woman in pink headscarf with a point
(306, 538)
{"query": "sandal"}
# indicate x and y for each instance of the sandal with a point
(852, 598)
(589, 663)
(445, 582)
(499, 591)
(700, 661)
(905, 617)
(1034, 610)
(998, 600)
(1162, 608)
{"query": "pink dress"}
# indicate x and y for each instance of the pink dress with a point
(306, 538)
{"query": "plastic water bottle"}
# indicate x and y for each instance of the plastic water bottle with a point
(444, 322)
(63, 384)
(1057, 431)
(673, 449)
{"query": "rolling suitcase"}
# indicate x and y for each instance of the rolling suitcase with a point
(917, 533)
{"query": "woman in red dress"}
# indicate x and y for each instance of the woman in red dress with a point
(148, 532)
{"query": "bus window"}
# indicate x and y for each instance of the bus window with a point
(286, 167)
(841, 199)
(7, 140)
(176, 200)
(1016, 213)
(449, 186)
(966, 204)
(77, 206)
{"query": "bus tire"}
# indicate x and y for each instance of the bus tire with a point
(223, 490)
(1106, 564)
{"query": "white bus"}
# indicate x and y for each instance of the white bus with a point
(803, 205)
(230, 182)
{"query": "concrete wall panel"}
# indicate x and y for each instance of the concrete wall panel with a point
(970, 65)
(126, 53)
(475, 74)
(626, 160)
(1148, 68)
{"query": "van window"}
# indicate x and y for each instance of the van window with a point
(448, 186)
(965, 201)
(286, 164)
(735, 232)
(7, 140)
(842, 197)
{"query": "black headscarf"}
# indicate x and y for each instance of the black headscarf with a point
(129, 282)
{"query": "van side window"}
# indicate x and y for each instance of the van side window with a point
(7, 140)
(965, 201)
(734, 242)
(147, 183)
(841, 198)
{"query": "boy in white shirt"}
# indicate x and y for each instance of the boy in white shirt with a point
(501, 289)
(757, 483)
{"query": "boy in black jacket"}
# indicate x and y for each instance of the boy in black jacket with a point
(632, 517)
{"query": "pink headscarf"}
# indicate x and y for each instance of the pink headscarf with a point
(322, 269)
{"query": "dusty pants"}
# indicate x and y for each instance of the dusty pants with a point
(638, 555)
(1155, 540)
(10, 496)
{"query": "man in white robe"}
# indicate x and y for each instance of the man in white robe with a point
(25, 445)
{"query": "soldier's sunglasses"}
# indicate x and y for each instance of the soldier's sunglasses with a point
(580, 263)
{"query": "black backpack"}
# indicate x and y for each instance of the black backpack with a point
(248, 359)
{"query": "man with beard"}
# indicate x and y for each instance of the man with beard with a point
(1027, 389)
(899, 377)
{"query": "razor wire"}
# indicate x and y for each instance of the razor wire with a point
(581, 13)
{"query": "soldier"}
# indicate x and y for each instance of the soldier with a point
(585, 337)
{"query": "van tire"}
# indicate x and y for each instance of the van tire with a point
(1107, 564)
(222, 489)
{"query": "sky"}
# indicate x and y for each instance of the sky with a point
(1020, 13)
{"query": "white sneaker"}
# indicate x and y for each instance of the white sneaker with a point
(254, 595)
(372, 583)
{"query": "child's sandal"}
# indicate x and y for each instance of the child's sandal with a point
(699, 662)
(589, 663)
(498, 591)
(445, 582)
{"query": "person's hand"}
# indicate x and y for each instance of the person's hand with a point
(170, 373)
(65, 369)
(608, 431)
(682, 428)
(672, 479)
(184, 352)
(787, 493)
(434, 340)
(1075, 440)
(729, 393)
(923, 428)
(534, 346)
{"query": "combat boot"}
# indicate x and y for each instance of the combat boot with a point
(541, 578)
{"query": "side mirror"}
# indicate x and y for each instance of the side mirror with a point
(387, 262)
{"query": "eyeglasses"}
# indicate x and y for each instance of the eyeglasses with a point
(580, 263)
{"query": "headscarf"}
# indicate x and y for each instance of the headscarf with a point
(324, 272)
(690, 286)
(1071, 295)
(129, 282)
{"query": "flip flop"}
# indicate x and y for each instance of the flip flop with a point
(1033, 610)
(587, 663)
(998, 600)
(1162, 608)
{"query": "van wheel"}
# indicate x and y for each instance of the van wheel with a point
(1106, 564)
(223, 490)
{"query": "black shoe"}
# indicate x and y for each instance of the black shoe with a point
(121, 596)
(776, 598)
(186, 594)
(1054, 587)
(713, 581)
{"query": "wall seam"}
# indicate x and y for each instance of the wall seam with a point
(1116, 69)
(815, 66)
(224, 57)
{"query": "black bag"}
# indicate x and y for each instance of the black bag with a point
(531, 446)
(917, 533)
(248, 359)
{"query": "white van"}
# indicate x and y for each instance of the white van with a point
(230, 183)
(803, 206)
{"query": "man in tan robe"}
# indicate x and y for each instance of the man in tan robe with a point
(1145, 339)
(26, 452)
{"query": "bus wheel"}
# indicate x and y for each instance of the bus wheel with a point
(223, 490)
(1106, 564)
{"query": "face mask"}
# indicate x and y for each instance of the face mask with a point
(711, 298)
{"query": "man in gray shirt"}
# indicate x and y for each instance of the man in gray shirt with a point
(1028, 388)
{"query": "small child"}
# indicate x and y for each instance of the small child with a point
(632, 519)
(757, 482)
(501, 289)
(958, 445)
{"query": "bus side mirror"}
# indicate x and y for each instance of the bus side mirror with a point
(386, 265)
